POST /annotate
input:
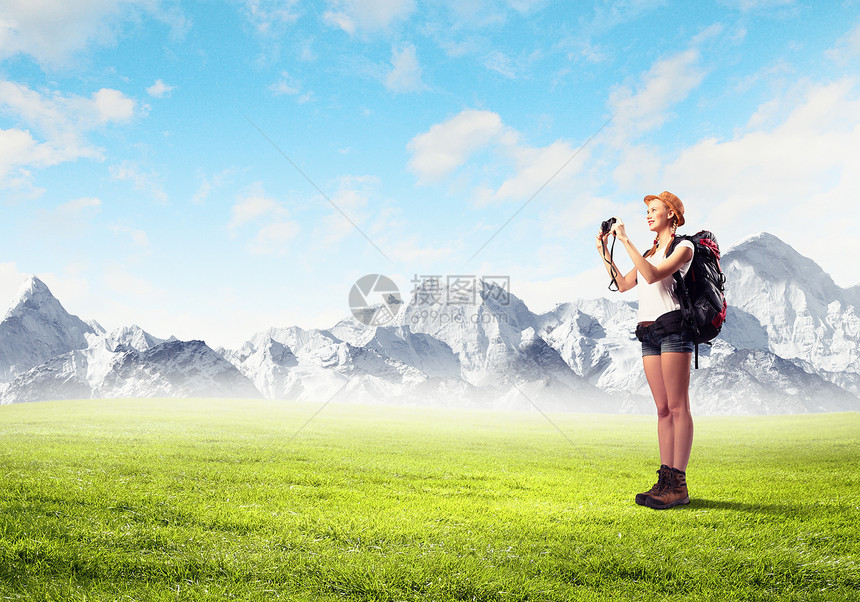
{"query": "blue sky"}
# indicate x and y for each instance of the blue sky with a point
(210, 169)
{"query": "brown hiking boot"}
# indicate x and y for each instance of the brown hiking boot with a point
(673, 494)
(658, 486)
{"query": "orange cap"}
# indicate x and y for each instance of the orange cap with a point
(673, 202)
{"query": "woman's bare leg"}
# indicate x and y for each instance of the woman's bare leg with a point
(654, 372)
(676, 382)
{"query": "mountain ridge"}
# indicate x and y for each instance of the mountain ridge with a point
(790, 345)
(37, 328)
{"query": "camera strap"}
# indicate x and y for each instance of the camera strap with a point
(612, 271)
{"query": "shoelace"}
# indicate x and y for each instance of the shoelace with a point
(664, 482)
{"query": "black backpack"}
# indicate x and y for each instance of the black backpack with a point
(701, 293)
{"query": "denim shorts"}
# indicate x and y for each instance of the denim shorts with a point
(676, 342)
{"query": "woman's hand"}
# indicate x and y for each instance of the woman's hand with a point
(618, 230)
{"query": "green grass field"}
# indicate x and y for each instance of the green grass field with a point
(214, 499)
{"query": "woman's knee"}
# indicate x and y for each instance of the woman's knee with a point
(679, 407)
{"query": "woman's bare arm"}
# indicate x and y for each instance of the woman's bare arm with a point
(655, 273)
(650, 272)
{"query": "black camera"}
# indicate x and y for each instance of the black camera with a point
(605, 226)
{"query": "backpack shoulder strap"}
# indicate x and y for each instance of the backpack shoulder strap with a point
(677, 239)
(672, 245)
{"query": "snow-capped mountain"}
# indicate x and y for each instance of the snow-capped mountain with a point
(785, 303)
(791, 344)
(37, 328)
(496, 340)
(132, 337)
(757, 381)
(48, 353)
(483, 353)
(295, 363)
(169, 369)
(595, 338)
(174, 369)
(483, 325)
(423, 352)
(267, 363)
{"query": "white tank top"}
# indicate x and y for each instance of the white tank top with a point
(659, 298)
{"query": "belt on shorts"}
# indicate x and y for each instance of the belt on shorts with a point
(669, 323)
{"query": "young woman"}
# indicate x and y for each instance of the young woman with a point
(666, 350)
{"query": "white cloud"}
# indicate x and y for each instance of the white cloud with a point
(449, 145)
(774, 74)
(268, 217)
(159, 89)
(500, 63)
(65, 117)
(638, 168)
(754, 5)
(20, 152)
(524, 6)
(847, 47)
(202, 193)
(306, 51)
(47, 114)
(352, 197)
(541, 296)
(446, 146)
(405, 75)
(63, 121)
(667, 83)
(709, 33)
(785, 161)
(122, 281)
(421, 256)
(581, 211)
(579, 49)
(270, 16)
(138, 237)
(286, 85)
(11, 281)
(68, 223)
(147, 182)
(54, 31)
(536, 168)
(78, 206)
(209, 184)
(511, 67)
(274, 235)
(113, 106)
(17, 146)
(798, 179)
(282, 87)
(354, 16)
(609, 14)
(254, 206)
